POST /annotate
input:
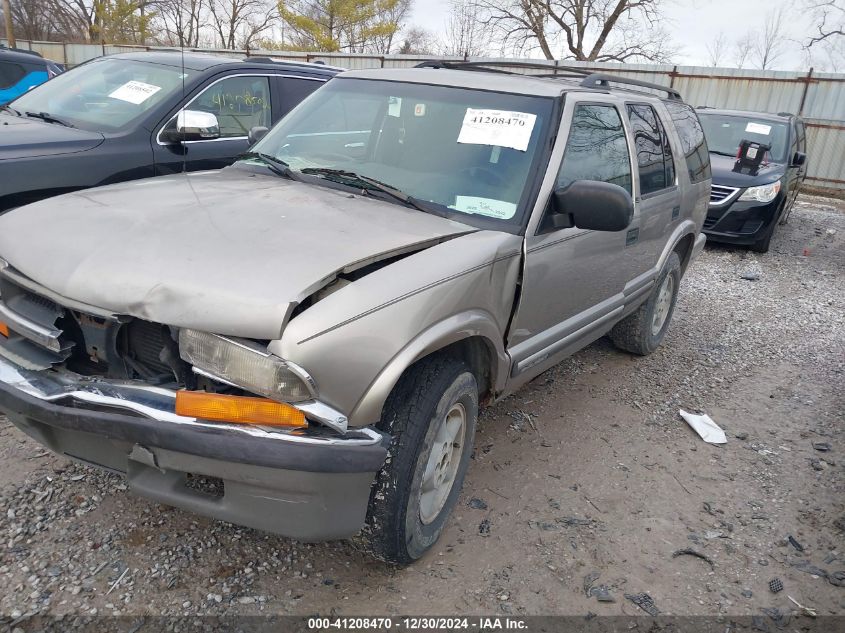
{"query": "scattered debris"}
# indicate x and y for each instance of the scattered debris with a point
(589, 579)
(837, 578)
(779, 618)
(747, 593)
(484, 527)
(477, 504)
(795, 543)
(117, 582)
(807, 568)
(741, 436)
(706, 428)
(775, 585)
(602, 594)
(644, 602)
(750, 275)
(822, 447)
(806, 610)
(687, 551)
(574, 521)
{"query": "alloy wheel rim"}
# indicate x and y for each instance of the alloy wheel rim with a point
(441, 469)
(662, 305)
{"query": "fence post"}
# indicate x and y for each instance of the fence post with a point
(806, 89)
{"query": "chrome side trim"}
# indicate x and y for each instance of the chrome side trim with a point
(153, 402)
(19, 324)
(321, 412)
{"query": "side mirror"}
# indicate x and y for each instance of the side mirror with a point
(192, 125)
(257, 133)
(591, 205)
(799, 159)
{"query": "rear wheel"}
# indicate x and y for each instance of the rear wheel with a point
(431, 415)
(642, 332)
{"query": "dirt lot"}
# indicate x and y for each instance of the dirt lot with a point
(587, 473)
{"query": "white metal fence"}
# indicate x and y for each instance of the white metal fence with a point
(818, 97)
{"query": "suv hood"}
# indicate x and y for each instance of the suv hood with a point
(25, 137)
(723, 174)
(229, 251)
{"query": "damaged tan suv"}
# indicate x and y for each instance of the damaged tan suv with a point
(315, 328)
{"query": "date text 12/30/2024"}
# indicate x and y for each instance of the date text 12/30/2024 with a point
(417, 624)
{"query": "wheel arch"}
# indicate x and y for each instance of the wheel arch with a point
(472, 337)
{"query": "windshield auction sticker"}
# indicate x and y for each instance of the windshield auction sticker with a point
(758, 128)
(485, 206)
(497, 127)
(135, 92)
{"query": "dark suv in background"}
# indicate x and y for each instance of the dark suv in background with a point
(22, 70)
(137, 115)
(746, 204)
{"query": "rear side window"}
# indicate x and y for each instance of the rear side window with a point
(10, 74)
(295, 90)
(654, 154)
(596, 148)
(692, 140)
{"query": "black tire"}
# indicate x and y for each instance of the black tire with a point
(634, 333)
(424, 395)
(762, 245)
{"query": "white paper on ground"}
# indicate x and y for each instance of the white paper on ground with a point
(135, 92)
(705, 427)
(497, 127)
(485, 206)
(758, 128)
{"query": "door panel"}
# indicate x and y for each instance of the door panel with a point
(573, 278)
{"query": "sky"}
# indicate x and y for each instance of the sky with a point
(693, 24)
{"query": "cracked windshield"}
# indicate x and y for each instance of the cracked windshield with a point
(465, 151)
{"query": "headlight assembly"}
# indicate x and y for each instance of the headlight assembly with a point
(763, 193)
(243, 366)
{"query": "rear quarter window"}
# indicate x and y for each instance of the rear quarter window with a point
(692, 138)
(10, 74)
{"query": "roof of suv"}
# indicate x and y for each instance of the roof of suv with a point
(24, 57)
(767, 116)
(204, 61)
(514, 83)
(510, 82)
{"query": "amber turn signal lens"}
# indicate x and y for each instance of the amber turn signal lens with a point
(238, 409)
(4, 329)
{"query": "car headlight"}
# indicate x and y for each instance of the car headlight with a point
(763, 193)
(245, 367)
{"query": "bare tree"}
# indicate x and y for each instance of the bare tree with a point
(417, 41)
(239, 22)
(829, 17)
(742, 49)
(394, 15)
(466, 35)
(590, 30)
(179, 22)
(769, 44)
(717, 49)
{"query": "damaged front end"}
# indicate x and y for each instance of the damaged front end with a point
(105, 389)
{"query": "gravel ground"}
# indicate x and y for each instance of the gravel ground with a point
(586, 478)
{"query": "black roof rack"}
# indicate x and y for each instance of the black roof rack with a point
(600, 80)
(589, 78)
(566, 71)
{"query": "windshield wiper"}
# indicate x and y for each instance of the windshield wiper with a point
(276, 165)
(366, 183)
(48, 118)
(713, 151)
(10, 109)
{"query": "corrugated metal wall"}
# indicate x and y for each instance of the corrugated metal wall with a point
(818, 97)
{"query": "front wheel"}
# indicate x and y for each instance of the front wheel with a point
(642, 331)
(431, 414)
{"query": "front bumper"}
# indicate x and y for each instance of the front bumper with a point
(302, 486)
(741, 222)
